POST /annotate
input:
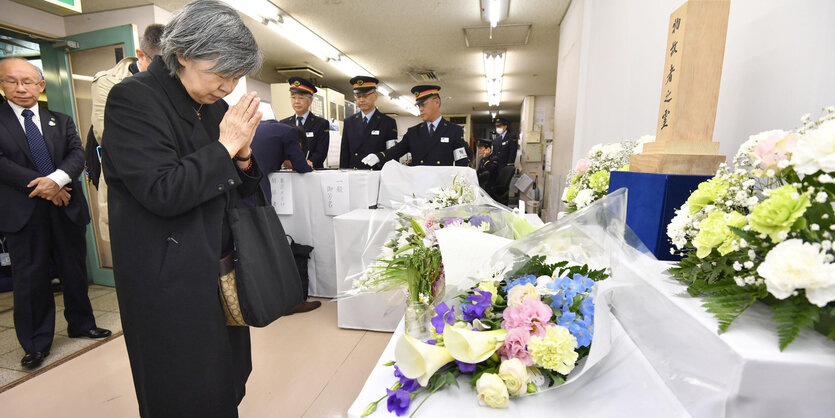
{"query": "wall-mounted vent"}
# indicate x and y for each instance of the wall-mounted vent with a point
(424, 75)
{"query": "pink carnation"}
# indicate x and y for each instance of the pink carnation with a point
(515, 346)
(532, 315)
(775, 148)
(583, 164)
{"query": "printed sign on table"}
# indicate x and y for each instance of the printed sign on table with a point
(282, 188)
(335, 194)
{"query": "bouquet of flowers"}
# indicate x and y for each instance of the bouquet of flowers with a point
(764, 231)
(589, 180)
(512, 336)
(526, 324)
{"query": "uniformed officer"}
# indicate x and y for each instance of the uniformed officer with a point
(505, 144)
(436, 141)
(368, 131)
(316, 128)
(487, 166)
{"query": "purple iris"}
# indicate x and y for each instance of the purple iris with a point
(465, 367)
(398, 401)
(445, 315)
(476, 303)
(480, 219)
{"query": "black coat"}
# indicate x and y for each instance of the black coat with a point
(358, 142)
(505, 149)
(445, 147)
(17, 168)
(169, 180)
(318, 137)
(275, 142)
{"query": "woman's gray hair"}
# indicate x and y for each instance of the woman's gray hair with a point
(211, 30)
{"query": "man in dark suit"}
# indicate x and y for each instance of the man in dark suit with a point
(368, 131)
(275, 144)
(436, 141)
(316, 129)
(43, 212)
(504, 144)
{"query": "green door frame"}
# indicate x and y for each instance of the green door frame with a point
(59, 91)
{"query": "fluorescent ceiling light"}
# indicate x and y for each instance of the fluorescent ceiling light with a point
(405, 103)
(494, 74)
(493, 114)
(384, 89)
(494, 11)
(349, 66)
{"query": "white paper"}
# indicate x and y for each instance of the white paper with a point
(335, 194)
(524, 182)
(282, 193)
(548, 149)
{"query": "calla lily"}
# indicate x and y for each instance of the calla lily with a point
(418, 360)
(472, 346)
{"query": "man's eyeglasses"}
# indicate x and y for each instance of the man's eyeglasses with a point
(24, 83)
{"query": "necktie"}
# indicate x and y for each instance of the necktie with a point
(431, 129)
(37, 144)
(299, 121)
(365, 122)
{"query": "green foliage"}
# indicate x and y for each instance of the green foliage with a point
(792, 315)
(727, 301)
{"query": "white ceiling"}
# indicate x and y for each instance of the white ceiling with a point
(392, 37)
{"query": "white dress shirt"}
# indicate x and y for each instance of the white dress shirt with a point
(434, 123)
(304, 118)
(58, 176)
(369, 115)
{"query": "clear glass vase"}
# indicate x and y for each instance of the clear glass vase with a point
(418, 320)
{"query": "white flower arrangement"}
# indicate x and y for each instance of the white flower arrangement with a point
(764, 230)
(589, 180)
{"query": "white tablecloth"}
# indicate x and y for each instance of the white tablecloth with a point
(309, 224)
(623, 384)
(741, 373)
(354, 232)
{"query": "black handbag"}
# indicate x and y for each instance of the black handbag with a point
(301, 253)
(265, 275)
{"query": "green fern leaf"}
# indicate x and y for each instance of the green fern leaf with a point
(792, 315)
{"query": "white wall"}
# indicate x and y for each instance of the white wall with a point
(779, 64)
(565, 106)
(27, 19)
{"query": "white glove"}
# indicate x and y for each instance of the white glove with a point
(371, 160)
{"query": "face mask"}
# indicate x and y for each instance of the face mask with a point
(499, 131)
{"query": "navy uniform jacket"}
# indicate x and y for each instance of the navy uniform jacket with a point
(275, 142)
(316, 130)
(357, 142)
(445, 147)
(505, 149)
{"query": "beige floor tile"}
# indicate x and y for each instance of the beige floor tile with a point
(8, 340)
(59, 299)
(109, 320)
(106, 393)
(8, 376)
(347, 380)
(6, 300)
(106, 302)
(7, 319)
(95, 291)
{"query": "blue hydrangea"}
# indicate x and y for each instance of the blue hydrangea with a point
(566, 319)
(582, 330)
(521, 281)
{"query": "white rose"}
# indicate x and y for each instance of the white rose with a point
(794, 264)
(515, 376)
(491, 391)
(519, 293)
(816, 150)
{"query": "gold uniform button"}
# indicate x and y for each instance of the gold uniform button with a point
(355, 154)
(439, 163)
(421, 161)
